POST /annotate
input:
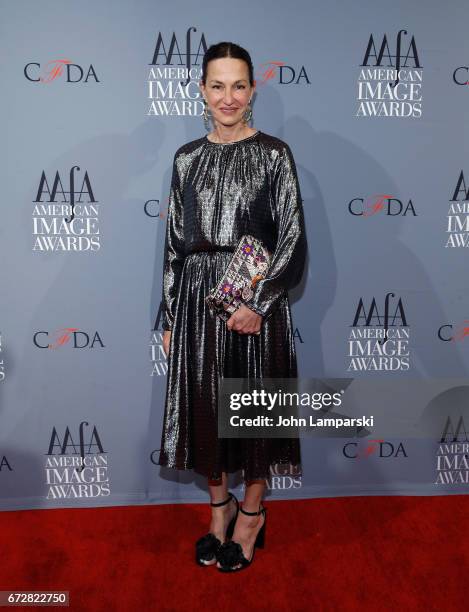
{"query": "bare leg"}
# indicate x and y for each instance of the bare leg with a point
(247, 527)
(222, 515)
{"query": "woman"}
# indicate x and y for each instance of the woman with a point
(236, 180)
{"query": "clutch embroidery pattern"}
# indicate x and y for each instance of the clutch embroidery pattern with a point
(247, 266)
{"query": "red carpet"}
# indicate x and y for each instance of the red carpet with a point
(367, 553)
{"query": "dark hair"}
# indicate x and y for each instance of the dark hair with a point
(227, 49)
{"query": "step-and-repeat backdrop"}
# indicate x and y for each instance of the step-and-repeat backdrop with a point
(372, 97)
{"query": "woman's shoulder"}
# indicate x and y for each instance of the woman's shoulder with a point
(189, 147)
(278, 151)
(186, 153)
(273, 142)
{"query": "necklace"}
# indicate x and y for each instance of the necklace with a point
(232, 141)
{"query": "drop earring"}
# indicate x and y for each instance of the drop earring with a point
(206, 116)
(248, 113)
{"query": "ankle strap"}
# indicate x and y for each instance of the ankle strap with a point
(231, 496)
(261, 510)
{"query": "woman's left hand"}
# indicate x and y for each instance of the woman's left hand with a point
(245, 321)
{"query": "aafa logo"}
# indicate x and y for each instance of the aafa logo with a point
(389, 83)
(66, 219)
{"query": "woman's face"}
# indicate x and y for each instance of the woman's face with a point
(227, 90)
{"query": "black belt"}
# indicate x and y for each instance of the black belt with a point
(212, 250)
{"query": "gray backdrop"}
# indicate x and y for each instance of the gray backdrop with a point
(82, 372)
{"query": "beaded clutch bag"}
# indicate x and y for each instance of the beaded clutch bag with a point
(248, 265)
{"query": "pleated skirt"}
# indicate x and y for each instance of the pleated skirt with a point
(203, 349)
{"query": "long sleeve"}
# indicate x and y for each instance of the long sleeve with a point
(174, 248)
(287, 263)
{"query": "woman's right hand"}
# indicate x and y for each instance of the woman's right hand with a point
(166, 341)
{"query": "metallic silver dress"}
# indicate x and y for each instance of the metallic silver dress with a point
(220, 191)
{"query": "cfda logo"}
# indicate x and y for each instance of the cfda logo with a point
(380, 449)
(281, 73)
(381, 204)
(67, 336)
(62, 69)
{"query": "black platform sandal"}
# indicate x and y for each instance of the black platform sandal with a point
(230, 554)
(207, 546)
